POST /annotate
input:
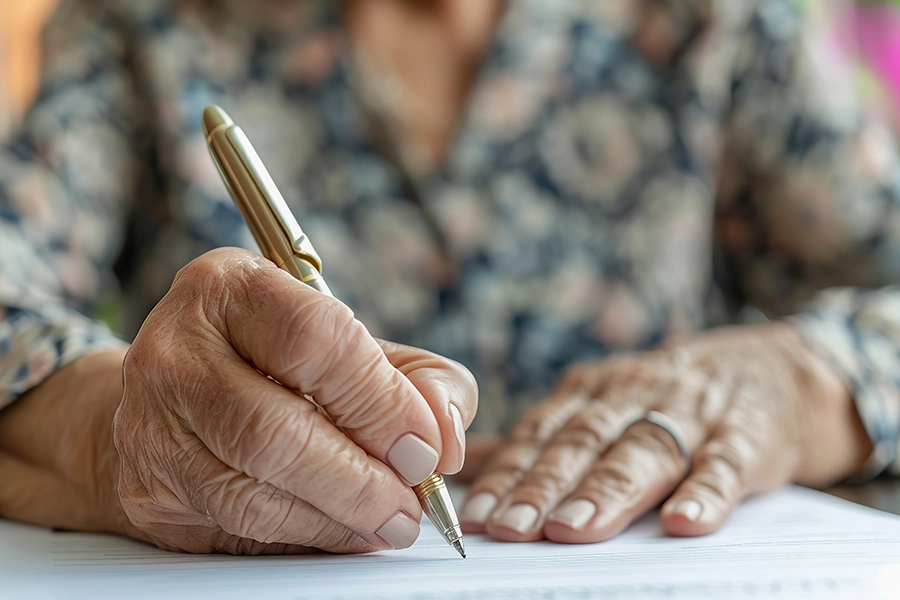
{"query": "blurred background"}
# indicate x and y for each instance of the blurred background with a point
(864, 36)
(20, 26)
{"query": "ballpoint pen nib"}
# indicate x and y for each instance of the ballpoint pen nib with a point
(458, 544)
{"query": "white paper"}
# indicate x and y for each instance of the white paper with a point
(792, 544)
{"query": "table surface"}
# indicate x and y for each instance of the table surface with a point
(883, 494)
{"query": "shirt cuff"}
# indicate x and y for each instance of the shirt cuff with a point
(35, 343)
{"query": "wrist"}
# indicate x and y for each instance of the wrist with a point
(57, 440)
(834, 442)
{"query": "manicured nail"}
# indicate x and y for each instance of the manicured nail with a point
(460, 431)
(575, 514)
(412, 458)
(689, 509)
(520, 517)
(400, 532)
(478, 508)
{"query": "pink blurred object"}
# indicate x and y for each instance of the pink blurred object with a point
(878, 36)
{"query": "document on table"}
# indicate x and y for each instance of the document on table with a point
(792, 544)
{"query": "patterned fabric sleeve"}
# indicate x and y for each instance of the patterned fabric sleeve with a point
(67, 178)
(810, 201)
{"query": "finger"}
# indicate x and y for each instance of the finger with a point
(581, 430)
(311, 343)
(448, 388)
(247, 509)
(727, 468)
(509, 464)
(564, 462)
(638, 471)
(501, 475)
(637, 384)
(250, 510)
(259, 428)
(542, 421)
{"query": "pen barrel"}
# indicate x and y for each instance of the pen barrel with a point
(438, 507)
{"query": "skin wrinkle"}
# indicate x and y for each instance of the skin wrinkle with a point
(257, 518)
(553, 481)
(594, 429)
(542, 422)
(318, 341)
(614, 481)
(506, 469)
(380, 413)
(210, 492)
(264, 429)
(291, 462)
(717, 480)
(364, 502)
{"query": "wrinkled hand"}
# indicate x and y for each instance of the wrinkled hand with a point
(208, 454)
(216, 456)
(757, 408)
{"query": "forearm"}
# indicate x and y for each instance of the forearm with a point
(57, 461)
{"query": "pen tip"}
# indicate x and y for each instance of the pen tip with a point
(458, 544)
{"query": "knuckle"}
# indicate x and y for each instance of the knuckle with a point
(613, 479)
(507, 469)
(546, 420)
(546, 484)
(517, 458)
(730, 455)
(531, 426)
(270, 446)
(212, 281)
(714, 485)
(592, 429)
(323, 324)
(204, 271)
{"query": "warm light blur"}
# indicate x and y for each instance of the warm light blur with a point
(20, 25)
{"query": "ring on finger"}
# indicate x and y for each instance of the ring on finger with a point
(667, 424)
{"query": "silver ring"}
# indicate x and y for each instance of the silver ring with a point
(674, 430)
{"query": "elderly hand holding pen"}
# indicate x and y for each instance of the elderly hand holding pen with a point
(200, 452)
(696, 426)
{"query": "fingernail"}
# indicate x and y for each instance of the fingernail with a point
(689, 509)
(460, 430)
(520, 517)
(412, 458)
(575, 514)
(478, 508)
(400, 532)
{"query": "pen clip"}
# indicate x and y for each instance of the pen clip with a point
(271, 222)
(274, 201)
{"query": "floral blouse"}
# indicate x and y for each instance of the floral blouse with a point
(625, 172)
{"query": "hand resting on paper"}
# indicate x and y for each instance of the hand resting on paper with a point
(755, 409)
(198, 451)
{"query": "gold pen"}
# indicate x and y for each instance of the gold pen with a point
(283, 242)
